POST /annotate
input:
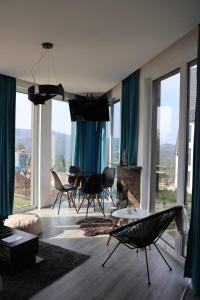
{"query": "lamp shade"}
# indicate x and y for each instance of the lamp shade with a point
(38, 94)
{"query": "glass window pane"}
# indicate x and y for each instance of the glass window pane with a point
(167, 147)
(108, 140)
(116, 133)
(23, 143)
(60, 139)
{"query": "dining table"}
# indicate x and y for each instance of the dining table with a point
(80, 177)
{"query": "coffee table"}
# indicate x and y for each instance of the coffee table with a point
(128, 213)
(18, 254)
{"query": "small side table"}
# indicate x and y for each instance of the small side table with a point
(128, 213)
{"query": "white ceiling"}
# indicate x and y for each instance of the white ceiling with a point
(97, 42)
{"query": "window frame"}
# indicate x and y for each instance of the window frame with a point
(156, 99)
(34, 203)
(187, 138)
(72, 127)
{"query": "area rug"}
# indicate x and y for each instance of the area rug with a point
(56, 262)
(94, 226)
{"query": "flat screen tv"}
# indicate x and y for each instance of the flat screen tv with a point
(89, 109)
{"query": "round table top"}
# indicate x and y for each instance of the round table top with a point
(130, 213)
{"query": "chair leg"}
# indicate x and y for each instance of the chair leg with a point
(110, 194)
(111, 254)
(68, 198)
(81, 204)
(94, 204)
(147, 265)
(102, 202)
(100, 206)
(73, 201)
(163, 257)
(60, 202)
(55, 200)
(88, 205)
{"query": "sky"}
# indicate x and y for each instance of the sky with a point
(61, 121)
(23, 111)
(168, 112)
(117, 120)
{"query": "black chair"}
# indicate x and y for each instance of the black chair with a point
(92, 191)
(108, 182)
(73, 180)
(143, 233)
(67, 188)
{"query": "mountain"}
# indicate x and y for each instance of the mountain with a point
(23, 136)
(61, 143)
(167, 153)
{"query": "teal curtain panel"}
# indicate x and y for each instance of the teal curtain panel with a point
(192, 263)
(7, 143)
(90, 146)
(129, 117)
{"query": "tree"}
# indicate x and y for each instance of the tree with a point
(20, 147)
(60, 163)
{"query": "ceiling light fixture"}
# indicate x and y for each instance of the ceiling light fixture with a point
(39, 93)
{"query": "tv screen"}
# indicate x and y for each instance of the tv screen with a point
(89, 109)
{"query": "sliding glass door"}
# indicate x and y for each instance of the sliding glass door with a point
(165, 148)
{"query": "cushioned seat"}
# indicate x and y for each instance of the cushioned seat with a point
(27, 222)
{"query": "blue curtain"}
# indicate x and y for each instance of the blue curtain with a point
(129, 117)
(192, 263)
(7, 143)
(90, 148)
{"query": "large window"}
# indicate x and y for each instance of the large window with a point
(61, 138)
(166, 147)
(23, 145)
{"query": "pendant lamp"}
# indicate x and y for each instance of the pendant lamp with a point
(40, 93)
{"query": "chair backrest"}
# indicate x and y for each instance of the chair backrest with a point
(109, 177)
(58, 184)
(72, 179)
(148, 230)
(74, 169)
(94, 184)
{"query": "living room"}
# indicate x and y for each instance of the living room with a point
(137, 75)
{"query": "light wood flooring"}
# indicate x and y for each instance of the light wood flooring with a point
(123, 278)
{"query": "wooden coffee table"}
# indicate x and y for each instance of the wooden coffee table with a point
(18, 254)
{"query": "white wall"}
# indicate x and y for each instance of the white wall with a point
(116, 92)
(176, 56)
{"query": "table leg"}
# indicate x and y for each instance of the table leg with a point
(114, 226)
(79, 196)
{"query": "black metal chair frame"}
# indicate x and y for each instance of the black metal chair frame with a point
(94, 196)
(131, 244)
(107, 191)
(67, 188)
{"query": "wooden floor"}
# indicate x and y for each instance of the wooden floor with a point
(123, 278)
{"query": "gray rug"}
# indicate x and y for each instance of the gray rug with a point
(56, 262)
